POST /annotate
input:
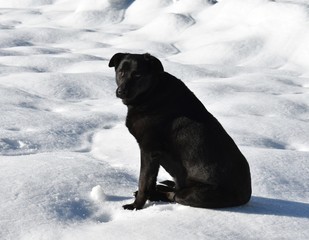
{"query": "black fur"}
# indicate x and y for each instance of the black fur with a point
(174, 130)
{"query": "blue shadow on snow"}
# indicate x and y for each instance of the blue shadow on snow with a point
(275, 207)
(73, 210)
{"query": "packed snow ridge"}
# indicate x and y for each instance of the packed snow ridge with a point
(67, 161)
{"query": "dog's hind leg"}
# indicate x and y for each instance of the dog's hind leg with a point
(207, 196)
(168, 183)
(162, 190)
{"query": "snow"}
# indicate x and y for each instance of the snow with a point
(67, 161)
(97, 194)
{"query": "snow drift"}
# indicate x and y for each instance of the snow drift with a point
(68, 163)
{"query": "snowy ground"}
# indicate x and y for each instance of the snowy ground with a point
(68, 163)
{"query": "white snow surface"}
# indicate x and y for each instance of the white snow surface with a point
(67, 161)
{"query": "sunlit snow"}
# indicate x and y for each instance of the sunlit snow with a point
(68, 163)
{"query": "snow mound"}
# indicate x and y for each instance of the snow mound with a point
(142, 12)
(67, 160)
(259, 33)
(95, 13)
(191, 7)
(166, 27)
(97, 194)
(25, 3)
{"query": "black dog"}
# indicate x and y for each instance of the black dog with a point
(174, 130)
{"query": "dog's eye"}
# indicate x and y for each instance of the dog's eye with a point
(136, 75)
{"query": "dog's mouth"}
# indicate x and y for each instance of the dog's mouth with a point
(127, 100)
(131, 95)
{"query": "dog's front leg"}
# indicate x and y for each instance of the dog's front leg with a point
(147, 179)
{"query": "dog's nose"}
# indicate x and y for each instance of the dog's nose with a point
(120, 92)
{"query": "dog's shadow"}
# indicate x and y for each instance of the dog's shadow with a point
(114, 198)
(275, 207)
(257, 205)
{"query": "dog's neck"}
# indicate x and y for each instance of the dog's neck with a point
(148, 99)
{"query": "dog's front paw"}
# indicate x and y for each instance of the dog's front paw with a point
(131, 206)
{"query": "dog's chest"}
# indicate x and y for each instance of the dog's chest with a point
(138, 125)
(145, 128)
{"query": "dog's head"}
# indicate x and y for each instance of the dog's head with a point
(136, 75)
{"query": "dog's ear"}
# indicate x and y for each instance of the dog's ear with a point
(115, 60)
(155, 63)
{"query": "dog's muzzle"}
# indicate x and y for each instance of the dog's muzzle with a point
(121, 92)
